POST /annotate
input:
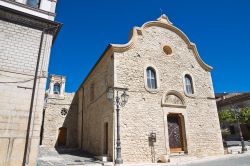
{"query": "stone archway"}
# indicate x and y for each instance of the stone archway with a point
(176, 133)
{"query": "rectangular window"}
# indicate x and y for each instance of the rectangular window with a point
(33, 3)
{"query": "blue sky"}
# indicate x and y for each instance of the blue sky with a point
(219, 28)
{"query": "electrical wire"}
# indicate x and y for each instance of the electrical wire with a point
(15, 82)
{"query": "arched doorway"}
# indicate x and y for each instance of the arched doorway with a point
(62, 136)
(176, 133)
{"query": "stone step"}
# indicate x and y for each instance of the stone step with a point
(181, 153)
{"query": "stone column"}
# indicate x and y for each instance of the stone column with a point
(51, 86)
(62, 88)
(53, 6)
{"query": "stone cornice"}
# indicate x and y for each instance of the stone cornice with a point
(28, 20)
(30, 8)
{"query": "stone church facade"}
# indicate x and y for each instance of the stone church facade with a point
(27, 32)
(170, 95)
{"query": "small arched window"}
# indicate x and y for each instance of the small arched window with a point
(56, 88)
(151, 78)
(189, 84)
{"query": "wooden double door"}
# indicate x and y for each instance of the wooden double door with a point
(176, 133)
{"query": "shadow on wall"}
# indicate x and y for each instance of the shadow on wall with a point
(67, 133)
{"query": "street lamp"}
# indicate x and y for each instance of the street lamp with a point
(118, 101)
(236, 111)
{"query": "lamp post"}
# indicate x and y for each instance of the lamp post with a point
(236, 111)
(118, 101)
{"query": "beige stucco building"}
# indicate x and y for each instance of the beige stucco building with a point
(27, 32)
(170, 95)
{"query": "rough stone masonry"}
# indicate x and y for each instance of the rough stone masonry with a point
(166, 51)
(20, 37)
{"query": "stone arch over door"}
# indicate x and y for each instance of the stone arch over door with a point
(174, 108)
(173, 99)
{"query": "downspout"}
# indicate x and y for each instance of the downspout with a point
(43, 117)
(28, 139)
(42, 128)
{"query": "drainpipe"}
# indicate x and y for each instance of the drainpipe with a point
(28, 139)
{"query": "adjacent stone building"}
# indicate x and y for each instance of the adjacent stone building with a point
(171, 97)
(27, 31)
(59, 127)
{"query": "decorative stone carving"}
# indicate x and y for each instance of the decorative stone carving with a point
(29, 21)
(173, 99)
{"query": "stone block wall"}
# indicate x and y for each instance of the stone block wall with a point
(19, 47)
(144, 111)
(54, 119)
(97, 110)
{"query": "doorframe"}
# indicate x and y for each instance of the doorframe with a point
(183, 117)
(58, 135)
(180, 122)
(105, 145)
(102, 136)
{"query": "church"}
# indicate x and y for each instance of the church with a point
(144, 101)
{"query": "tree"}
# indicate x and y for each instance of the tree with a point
(229, 116)
(226, 116)
(245, 115)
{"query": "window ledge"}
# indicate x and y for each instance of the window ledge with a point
(173, 105)
(189, 95)
(153, 91)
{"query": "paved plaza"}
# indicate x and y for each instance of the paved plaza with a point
(62, 157)
(228, 160)
(72, 157)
